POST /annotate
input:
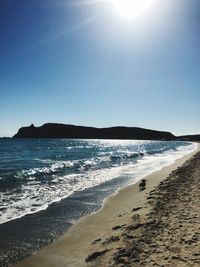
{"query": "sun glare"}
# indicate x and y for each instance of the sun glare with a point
(132, 8)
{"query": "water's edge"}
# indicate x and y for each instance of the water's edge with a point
(52, 221)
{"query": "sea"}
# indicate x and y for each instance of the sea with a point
(48, 184)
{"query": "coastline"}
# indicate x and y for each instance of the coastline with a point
(78, 242)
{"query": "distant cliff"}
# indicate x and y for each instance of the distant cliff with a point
(192, 138)
(54, 130)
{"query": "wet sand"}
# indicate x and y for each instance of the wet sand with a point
(136, 228)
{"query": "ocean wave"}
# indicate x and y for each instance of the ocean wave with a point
(37, 188)
(127, 156)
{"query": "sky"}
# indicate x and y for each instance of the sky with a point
(85, 62)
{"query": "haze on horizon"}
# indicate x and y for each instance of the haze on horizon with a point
(100, 63)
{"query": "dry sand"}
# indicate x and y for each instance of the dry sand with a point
(155, 227)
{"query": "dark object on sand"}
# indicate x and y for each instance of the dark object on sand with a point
(142, 185)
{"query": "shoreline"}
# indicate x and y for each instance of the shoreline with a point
(78, 242)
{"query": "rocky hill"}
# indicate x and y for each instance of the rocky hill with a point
(55, 130)
(192, 138)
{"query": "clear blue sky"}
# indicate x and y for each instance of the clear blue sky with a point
(82, 62)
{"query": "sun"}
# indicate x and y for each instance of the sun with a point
(132, 8)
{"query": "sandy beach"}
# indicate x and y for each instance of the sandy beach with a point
(155, 227)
